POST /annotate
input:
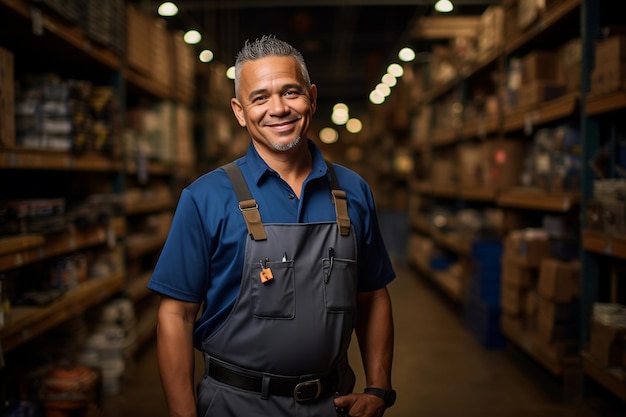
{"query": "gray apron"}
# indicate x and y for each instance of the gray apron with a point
(282, 351)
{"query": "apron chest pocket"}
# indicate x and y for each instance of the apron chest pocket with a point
(339, 284)
(274, 299)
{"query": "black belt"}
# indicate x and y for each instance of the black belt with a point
(302, 389)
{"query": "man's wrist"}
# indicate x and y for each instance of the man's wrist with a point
(387, 395)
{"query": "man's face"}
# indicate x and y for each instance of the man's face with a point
(274, 103)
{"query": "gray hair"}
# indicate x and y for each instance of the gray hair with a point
(266, 46)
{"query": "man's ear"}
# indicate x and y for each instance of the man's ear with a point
(313, 97)
(238, 111)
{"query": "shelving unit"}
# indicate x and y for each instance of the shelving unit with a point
(139, 190)
(520, 206)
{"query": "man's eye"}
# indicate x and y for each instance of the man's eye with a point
(291, 93)
(258, 99)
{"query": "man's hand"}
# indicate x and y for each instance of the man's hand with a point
(361, 405)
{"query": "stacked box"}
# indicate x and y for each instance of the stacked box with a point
(528, 246)
(104, 22)
(608, 335)
(505, 162)
(184, 70)
(491, 29)
(7, 98)
(570, 61)
(609, 73)
(518, 280)
(161, 51)
(138, 38)
(185, 150)
(542, 78)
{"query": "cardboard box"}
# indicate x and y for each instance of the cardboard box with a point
(540, 66)
(559, 281)
(536, 92)
(528, 247)
(505, 162)
(528, 12)
(491, 29)
(512, 300)
(518, 275)
(138, 35)
(608, 77)
(557, 321)
(612, 48)
(606, 344)
(7, 98)
(471, 163)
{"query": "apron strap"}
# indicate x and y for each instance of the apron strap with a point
(341, 202)
(250, 209)
(248, 205)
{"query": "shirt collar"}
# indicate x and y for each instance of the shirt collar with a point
(260, 169)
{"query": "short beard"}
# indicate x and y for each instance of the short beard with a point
(288, 146)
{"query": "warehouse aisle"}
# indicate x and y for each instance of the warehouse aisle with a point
(440, 369)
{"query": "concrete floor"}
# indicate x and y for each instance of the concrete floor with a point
(440, 369)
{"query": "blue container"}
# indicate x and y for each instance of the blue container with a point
(483, 321)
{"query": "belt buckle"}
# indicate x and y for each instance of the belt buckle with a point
(307, 390)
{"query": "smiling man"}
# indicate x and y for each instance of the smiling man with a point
(283, 251)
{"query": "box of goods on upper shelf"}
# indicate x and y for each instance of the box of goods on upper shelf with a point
(609, 72)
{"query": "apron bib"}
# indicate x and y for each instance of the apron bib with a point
(292, 320)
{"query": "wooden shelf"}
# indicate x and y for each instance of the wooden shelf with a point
(25, 323)
(148, 85)
(56, 245)
(149, 206)
(21, 158)
(547, 356)
(536, 199)
(139, 245)
(70, 34)
(558, 13)
(614, 382)
(603, 244)
(137, 288)
(154, 168)
(444, 281)
(605, 103)
(528, 118)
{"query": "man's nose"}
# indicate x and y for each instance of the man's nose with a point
(278, 105)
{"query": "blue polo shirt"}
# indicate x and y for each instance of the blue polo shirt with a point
(203, 257)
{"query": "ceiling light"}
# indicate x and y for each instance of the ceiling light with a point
(206, 56)
(376, 97)
(340, 106)
(383, 89)
(340, 116)
(168, 9)
(406, 54)
(192, 37)
(354, 125)
(444, 6)
(395, 70)
(329, 135)
(389, 79)
(230, 72)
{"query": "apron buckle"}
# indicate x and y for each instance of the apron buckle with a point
(307, 390)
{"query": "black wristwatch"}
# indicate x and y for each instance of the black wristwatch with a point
(387, 395)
